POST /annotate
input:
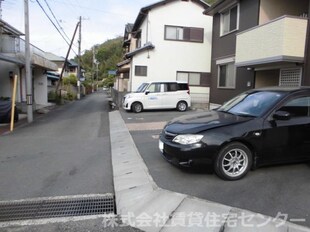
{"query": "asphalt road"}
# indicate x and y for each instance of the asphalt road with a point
(65, 152)
(277, 191)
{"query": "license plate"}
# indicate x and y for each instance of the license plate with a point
(161, 146)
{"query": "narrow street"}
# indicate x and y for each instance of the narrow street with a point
(66, 152)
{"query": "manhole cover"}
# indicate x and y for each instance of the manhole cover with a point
(58, 207)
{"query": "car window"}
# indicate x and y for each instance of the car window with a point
(154, 88)
(142, 88)
(170, 87)
(182, 86)
(297, 107)
(251, 104)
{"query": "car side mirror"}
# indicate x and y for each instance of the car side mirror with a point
(147, 92)
(282, 115)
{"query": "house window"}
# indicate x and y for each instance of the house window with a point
(230, 20)
(194, 79)
(290, 77)
(190, 34)
(138, 39)
(140, 70)
(226, 75)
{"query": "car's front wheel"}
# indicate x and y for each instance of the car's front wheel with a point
(137, 107)
(233, 161)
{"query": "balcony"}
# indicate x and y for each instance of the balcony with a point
(9, 44)
(15, 47)
(276, 42)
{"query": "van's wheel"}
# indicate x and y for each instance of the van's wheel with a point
(182, 106)
(137, 107)
(233, 162)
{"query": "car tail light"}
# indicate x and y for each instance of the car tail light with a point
(188, 91)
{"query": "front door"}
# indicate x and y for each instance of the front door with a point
(153, 97)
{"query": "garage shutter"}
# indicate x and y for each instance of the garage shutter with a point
(290, 77)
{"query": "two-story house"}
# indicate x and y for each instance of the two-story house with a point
(123, 67)
(71, 67)
(258, 43)
(171, 40)
(54, 76)
(12, 61)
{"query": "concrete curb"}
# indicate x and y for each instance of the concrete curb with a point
(142, 204)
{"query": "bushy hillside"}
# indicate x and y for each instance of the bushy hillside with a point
(107, 55)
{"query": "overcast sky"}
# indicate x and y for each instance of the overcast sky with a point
(102, 20)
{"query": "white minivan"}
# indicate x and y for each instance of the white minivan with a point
(158, 95)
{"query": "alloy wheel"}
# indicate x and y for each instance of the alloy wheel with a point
(235, 162)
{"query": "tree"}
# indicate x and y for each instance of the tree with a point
(109, 81)
(107, 55)
(70, 80)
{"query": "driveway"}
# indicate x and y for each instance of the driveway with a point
(277, 191)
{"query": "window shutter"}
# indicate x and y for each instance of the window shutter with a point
(141, 70)
(196, 34)
(205, 79)
(233, 18)
(186, 33)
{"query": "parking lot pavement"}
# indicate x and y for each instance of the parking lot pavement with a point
(152, 116)
(149, 188)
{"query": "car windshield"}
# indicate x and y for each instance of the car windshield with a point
(142, 88)
(253, 104)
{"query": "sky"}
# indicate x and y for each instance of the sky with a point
(101, 20)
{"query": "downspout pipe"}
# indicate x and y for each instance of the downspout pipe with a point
(306, 68)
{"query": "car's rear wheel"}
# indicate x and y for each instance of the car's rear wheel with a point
(233, 161)
(182, 106)
(137, 107)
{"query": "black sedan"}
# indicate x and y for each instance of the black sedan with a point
(256, 128)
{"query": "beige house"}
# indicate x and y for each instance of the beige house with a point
(12, 61)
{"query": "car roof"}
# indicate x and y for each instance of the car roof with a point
(179, 82)
(281, 89)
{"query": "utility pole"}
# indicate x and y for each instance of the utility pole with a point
(97, 63)
(66, 59)
(79, 61)
(93, 69)
(27, 65)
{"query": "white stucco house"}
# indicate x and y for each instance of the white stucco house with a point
(170, 40)
(12, 61)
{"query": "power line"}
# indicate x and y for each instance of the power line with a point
(90, 8)
(56, 19)
(54, 24)
(60, 26)
(1, 8)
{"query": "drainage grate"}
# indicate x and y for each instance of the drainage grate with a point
(54, 208)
